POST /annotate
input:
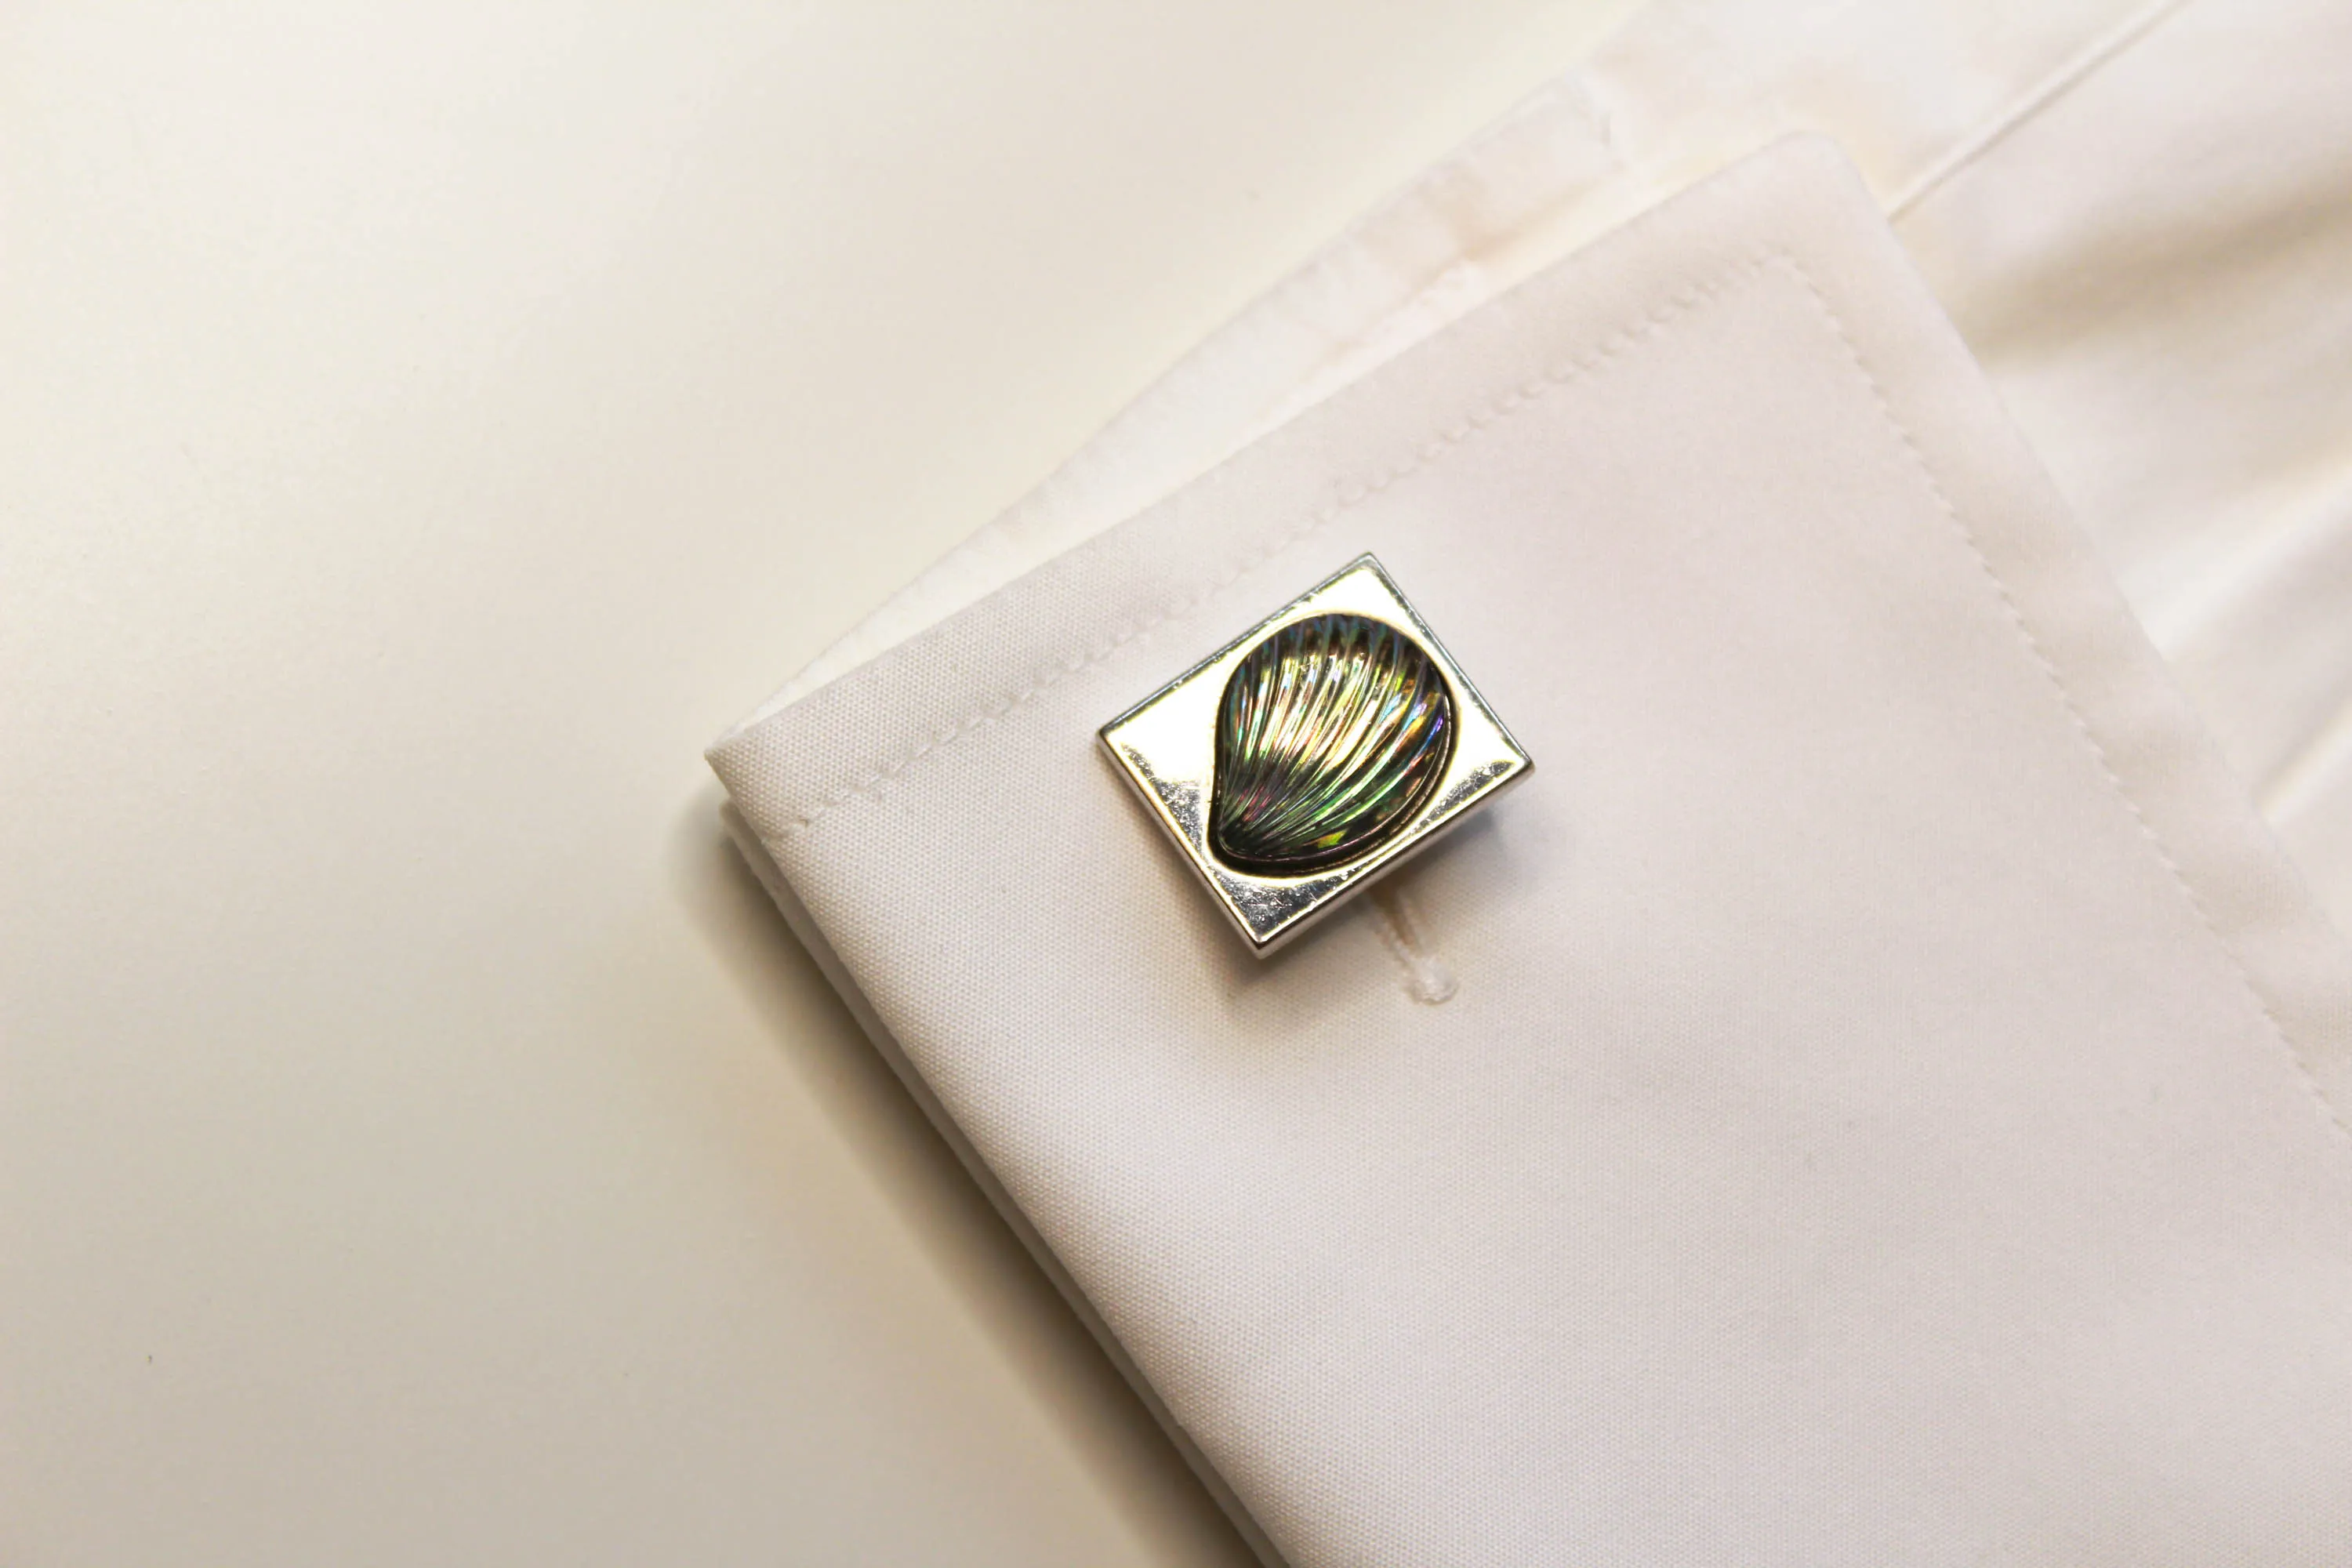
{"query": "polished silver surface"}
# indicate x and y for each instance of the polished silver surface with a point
(1317, 749)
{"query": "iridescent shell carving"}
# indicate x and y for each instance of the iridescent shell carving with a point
(1331, 737)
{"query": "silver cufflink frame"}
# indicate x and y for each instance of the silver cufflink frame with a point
(1167, 748)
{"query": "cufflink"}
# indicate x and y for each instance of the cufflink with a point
(1322, 747)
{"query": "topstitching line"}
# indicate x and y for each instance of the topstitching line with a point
(2066, 698)
(1350, 493)
(1434, 449)
(2049, 90)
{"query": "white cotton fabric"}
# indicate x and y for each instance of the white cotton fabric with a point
(1889, 1104)
(2138, 214)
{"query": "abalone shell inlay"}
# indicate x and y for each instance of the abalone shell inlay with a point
(1332, 735)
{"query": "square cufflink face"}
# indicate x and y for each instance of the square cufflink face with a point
(1319, 749)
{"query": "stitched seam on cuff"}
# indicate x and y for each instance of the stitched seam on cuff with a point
(1434, 448)
(1926, 472)
(1424, 453)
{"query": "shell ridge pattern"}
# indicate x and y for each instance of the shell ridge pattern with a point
(1332, 732)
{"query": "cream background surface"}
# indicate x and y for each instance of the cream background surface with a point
(420, 432)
